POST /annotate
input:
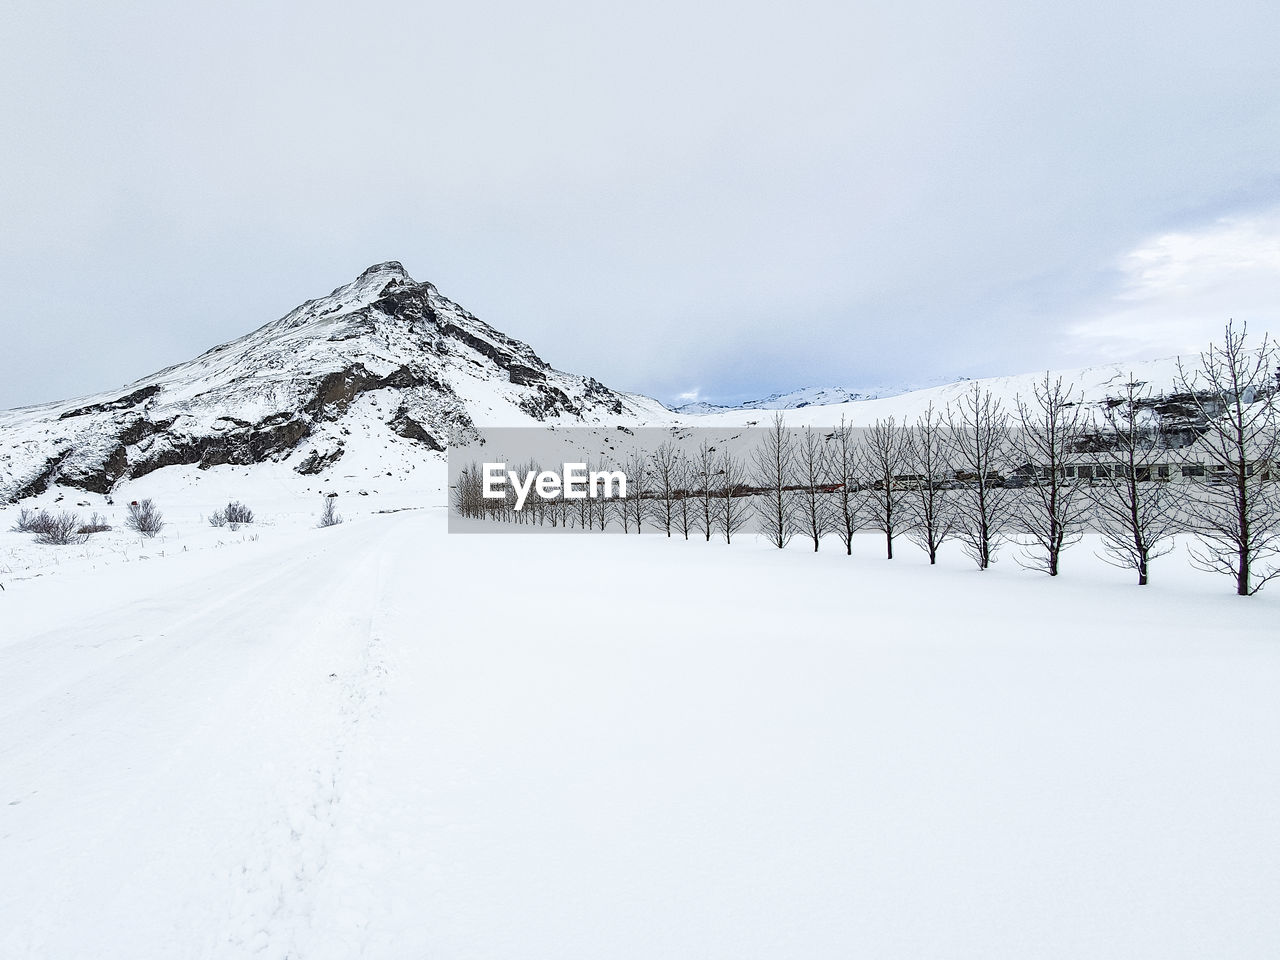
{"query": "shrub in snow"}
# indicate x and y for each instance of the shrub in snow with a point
(97, 524)
(237, 513)
(234, 513)
(144, 518)
(60, 529)
(29, 521)
(329, 516)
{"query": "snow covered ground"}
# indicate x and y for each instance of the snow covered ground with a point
(1092, 384)
(378, 740)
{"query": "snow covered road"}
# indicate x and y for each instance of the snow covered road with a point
(381, 741)
(178, 736)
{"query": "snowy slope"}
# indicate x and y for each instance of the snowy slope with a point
(1092, 385)
(805, 397)
(808, 396)
(382, 356)
(370, 742)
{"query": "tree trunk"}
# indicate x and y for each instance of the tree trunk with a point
(1242, 516)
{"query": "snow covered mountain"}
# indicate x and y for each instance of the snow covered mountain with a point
(806, 397)
(383, 360)
(1093, 386)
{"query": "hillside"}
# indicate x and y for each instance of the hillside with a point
(1093, 385)
(805, 397)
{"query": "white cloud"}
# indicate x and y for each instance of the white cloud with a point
(1178, 289)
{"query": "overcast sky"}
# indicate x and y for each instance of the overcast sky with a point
(712, 200)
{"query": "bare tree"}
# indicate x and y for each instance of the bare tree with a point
(582, 510)
(1052, 508)
(665, 467)
(930, 506)
(685, 518)
(979, 430)
(733, 500)
(638, 481)
(535, 507)
(884, 460)
(773, 460)
(329, 515)
(144, 518)
(623, 509)
(813, 510)
(601, 507)
(1136, 504)
(705, 469)
(844, 472)
(558, 511)
(496, 508)
(1236, 515)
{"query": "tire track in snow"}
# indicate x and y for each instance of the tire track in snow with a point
(273, 893)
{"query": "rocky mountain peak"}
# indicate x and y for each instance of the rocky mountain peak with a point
(383, 358)
(391, 269)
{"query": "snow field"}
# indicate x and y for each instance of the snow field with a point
(381, 740)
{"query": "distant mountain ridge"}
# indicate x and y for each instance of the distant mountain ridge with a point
(805, 397)
(1093, 387)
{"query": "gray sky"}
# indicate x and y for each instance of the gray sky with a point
(721, 200)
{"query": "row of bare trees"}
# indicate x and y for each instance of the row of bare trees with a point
(1037, 475)
(705, 494)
